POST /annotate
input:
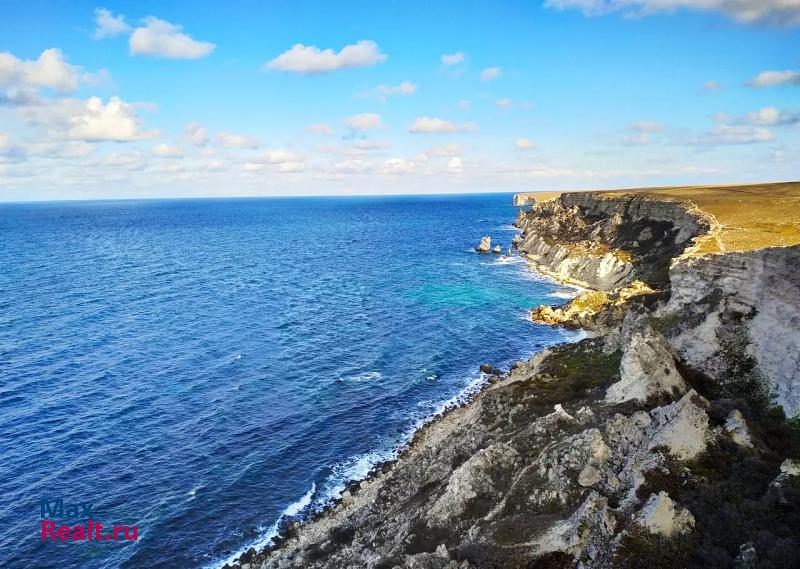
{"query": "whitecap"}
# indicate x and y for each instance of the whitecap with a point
(367, 376)
(267, 535)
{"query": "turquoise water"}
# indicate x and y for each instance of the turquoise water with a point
(207, 368)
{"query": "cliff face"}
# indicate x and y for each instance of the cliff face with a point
(734, 310)
(608, 242)
(653, 443)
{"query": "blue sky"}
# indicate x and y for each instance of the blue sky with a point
(156, 99)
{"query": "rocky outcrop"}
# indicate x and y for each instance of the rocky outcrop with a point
(485, 245)
(524, 199)
(608, 242)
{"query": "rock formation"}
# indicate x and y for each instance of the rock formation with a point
(485, 245)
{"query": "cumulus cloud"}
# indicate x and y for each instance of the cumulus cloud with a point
(775, 79)
(165, 150)
(50, 71)
(770, 116)
(436, 125)
(453, 58)
(365, 121)
(310, 59)
(398, 166)
(319, 128)
(280, 160)
(455, 165)
(234, 140)
(524, 144)
(159, 38)
(404, 89)
(91, 120)
(108, 25)
(786, 12)
(491, 73)
(197, 134)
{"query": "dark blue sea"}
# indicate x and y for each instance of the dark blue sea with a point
(201, 368)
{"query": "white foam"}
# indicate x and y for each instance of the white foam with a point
(267, 536)
(367, 376)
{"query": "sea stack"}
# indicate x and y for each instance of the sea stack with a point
(485, 245)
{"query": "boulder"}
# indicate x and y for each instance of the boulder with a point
(485, 245)
(660, 516)
(497, 250)
(647, 369)
(737, 428)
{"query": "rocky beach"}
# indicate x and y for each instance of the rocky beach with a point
(668, 437)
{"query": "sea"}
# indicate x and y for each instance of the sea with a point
(208, 370)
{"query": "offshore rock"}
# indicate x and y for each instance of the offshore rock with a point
(485, 245)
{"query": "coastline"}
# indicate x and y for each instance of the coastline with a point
(574, 456)
(285, 526)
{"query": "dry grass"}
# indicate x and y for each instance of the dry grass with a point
(752, 216)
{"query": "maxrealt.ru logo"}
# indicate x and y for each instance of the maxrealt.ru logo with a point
(92, 530)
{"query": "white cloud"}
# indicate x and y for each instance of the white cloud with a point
(509, 104)
(455, 165)
(641, 134)
(445, 150)
(9, 151)
(453, 58)
(786, 12)
(711, 86)
(436, 125)
(280, 157)
(463, 104)
(159, 38)
(398, 166)
(770, 116)
(405, 89)
(310, 59)
(109, 25)
(491, 73)
(90, 120)
(775, 79)
(280, 160)
(365, 121)
(319, 128)
(735, 134)
(197, 134)
(524, 144)
(165, 150)
(234, 140)
(50, 70)
(354, 165)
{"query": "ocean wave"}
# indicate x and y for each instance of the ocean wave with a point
(292, 511)
(367, 376)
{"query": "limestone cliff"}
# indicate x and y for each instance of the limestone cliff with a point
(655, 442)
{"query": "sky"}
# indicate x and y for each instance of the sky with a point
(174, 99)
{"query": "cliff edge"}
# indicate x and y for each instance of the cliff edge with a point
(660, 440)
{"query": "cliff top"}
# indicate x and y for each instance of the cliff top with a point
(752, 216)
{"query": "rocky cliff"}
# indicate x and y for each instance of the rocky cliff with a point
(655, 442)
